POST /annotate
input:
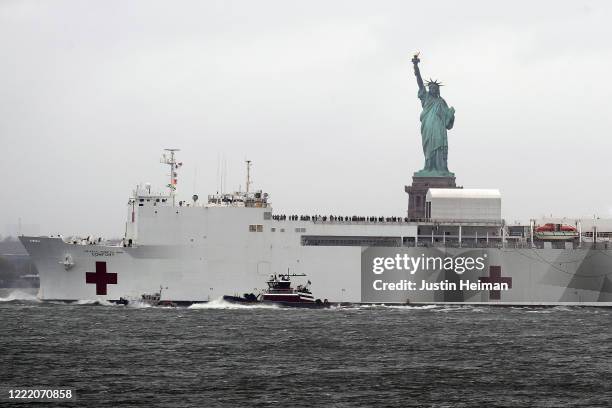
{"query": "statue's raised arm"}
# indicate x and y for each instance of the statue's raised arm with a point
(417, 72)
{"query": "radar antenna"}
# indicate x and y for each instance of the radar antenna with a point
(174, 166)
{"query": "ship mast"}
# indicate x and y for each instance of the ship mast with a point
(248, 174)
(171, 161)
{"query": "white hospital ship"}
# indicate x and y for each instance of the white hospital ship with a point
(200, 250)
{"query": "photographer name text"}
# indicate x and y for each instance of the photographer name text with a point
(408, 285)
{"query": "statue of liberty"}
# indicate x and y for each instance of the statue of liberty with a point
(436, 119)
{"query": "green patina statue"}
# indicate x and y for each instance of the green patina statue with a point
(436, 119)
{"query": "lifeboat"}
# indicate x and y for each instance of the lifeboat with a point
(153, 299)
(556, 232)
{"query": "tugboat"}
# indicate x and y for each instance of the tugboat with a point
(556, 232)
(280, 292)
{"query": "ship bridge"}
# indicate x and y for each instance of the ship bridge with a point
(247, 198)
(256, 199)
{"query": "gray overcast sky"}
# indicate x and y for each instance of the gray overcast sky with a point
(319, 94)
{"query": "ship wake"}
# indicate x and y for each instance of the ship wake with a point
(222, 304)
(19, 296)
(93, 302)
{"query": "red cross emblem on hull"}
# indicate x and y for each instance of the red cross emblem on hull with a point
(101, 278)
(495, 277)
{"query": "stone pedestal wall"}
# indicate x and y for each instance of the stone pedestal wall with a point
(418, 190)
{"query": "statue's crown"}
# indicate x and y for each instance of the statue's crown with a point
(434, 82)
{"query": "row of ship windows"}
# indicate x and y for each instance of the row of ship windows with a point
(317, 240)
(141, 204)
(259, 228)
(163, 200)
(599, 234)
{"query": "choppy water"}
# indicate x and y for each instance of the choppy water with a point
(362, 356)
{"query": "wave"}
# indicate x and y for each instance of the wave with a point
(222, 304)
(399, 307)
(138, 305)
(460, 308)
(93, 302)
(564, 308)
(547, 310)
(17, 296)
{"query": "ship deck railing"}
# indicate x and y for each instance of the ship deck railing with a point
(377, 220)
(497, 242)
(457, 222)
(323, 219)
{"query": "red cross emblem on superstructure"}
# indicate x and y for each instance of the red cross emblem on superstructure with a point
(101, 278)
(495, 277)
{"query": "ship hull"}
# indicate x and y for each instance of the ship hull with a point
(571, 276)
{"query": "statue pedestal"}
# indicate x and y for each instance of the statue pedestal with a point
(418, 191)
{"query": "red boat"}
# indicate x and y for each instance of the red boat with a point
(281, 292)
